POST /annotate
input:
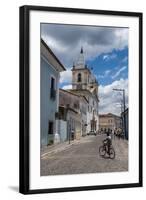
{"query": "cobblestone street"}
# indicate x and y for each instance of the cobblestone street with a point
(83, 157)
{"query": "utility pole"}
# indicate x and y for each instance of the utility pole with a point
(69, 125)
(124, 119)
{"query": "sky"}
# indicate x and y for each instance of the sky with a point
(106, 54)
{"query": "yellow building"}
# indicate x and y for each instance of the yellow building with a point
(109, 121)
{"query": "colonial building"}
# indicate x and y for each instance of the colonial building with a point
(109, 121)
(85, 84)
(72, 115)
(50, 72)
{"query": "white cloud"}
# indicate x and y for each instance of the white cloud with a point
(125, 59)
(113, 56)
(109, 57)
(119, 72)
(107, 72)
(105, 57)
(66, 41)
(104, 75)
(122, 34)
(66, 77)
(110, 100)
(65, 87)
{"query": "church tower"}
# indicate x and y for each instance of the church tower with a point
(85, 84)
(80, 73)
(82, 78)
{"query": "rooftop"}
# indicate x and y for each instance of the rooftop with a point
(51, 52)
(108, 115)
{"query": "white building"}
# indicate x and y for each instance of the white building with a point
(85, 84)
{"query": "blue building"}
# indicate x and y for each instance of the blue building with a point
(50, 73)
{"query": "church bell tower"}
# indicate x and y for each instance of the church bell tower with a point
(84, 83)
(80, 73)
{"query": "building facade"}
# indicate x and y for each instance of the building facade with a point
(50, 73)
(109, 121)
(72, 109)
(85, 84)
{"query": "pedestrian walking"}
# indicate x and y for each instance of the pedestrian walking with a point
(115, 133)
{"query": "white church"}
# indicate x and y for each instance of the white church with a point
(84, 83)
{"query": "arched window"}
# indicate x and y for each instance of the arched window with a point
(79, 77)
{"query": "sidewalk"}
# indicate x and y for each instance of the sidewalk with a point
(55, 148)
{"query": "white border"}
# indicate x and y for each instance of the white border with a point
(37, 182)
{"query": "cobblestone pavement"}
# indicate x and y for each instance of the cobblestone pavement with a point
(83, 157)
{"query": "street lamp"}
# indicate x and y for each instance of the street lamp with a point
(123, 91)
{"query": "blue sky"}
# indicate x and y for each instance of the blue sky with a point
(110, 66)
(105, 51)
(107, 67)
